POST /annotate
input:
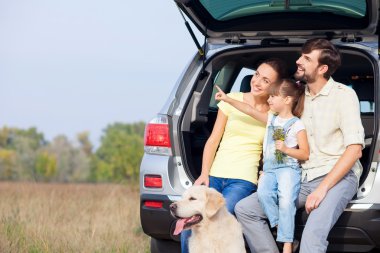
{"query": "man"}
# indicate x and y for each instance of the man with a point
(330, 177)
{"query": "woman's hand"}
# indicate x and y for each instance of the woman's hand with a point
(220, 95)
(202, 180)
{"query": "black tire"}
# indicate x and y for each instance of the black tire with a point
(164, 246)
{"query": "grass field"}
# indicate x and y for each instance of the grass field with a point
(37, 217)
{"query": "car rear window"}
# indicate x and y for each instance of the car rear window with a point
(223, 10)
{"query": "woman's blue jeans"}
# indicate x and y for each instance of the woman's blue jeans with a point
(233, 190)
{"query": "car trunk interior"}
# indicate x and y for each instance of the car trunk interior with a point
(226, 70)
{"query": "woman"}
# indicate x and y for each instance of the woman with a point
(232, 152)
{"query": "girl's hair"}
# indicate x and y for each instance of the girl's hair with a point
(279, 66)
(291, 88)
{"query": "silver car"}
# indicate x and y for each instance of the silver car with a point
(237, 36)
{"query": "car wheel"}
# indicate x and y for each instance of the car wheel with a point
(164, 246)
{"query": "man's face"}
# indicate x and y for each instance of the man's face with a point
(307, 67)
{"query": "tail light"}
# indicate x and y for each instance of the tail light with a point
(157, 136)
(153, 204)
(152, 181)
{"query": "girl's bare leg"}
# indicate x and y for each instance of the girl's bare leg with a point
(287, 247)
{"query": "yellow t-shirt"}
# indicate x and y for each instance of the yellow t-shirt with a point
(240, 149)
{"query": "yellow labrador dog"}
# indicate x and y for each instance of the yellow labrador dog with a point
(214, 229)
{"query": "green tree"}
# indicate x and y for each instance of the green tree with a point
(119, 155)
(7, 163)
(24, 145)
(10, 136)
(85, 143)
(46, 166)
(72, 163)
(4, 137)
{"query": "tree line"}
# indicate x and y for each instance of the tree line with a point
(26, 155)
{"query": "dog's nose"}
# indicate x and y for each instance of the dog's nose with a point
(173, 206)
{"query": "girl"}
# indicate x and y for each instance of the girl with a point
(285, 143)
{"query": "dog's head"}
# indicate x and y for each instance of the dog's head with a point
(198, 204)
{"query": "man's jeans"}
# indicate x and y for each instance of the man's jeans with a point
(233, 191)
(319, 223)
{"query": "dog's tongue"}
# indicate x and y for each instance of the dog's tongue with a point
(179, 226)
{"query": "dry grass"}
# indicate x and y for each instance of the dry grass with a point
(70, 218)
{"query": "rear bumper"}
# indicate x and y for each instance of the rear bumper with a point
(355, 230)
(157, 222)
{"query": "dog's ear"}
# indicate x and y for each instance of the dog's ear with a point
(215, 201)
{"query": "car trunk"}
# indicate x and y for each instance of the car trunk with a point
(359, 70)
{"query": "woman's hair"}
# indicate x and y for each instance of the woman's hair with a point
(291, 88)
(279, 66)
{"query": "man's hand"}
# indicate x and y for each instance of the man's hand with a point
(220, 95)
(314, 199)
(202, 180)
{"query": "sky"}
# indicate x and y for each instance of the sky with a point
(68, 66)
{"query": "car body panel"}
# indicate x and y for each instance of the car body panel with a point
(272, 24)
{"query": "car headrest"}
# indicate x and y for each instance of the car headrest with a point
(245, 85)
